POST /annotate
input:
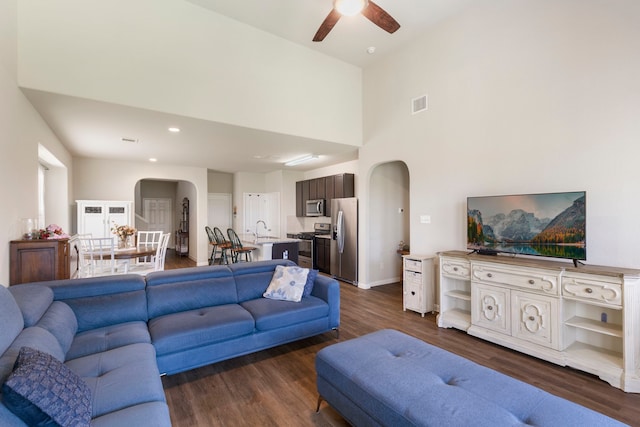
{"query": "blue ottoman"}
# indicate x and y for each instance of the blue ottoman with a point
(388, 378)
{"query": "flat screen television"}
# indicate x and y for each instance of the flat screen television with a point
(550, 225)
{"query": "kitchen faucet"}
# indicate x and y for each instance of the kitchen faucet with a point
(265, 227)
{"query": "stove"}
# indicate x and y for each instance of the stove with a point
(305, 246)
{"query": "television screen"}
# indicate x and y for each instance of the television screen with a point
(550, 224)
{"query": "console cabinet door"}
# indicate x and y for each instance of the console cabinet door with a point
(535, 318)
(491, 307)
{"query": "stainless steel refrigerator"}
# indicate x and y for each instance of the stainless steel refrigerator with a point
(344, 239)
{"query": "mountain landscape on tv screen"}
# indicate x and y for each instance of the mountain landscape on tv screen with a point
(518, 227)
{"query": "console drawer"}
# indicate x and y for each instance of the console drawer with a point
(598, 289)
(545, 281)
(455, 268)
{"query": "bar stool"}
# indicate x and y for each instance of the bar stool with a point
(237, 250)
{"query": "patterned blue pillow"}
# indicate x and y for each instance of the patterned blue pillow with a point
(43, 391)
(308, 287)
(287, 283)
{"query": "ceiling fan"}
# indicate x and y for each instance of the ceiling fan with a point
(369, 9)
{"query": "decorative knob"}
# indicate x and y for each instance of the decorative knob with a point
(532, 318)
(589, 290)
(489, 275)
(455, 268)
(413, 292)
(531, 281)
(489, 307)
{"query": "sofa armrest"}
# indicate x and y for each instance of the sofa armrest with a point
(328, 289)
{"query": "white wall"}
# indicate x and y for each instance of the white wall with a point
(21, 129)
(524, 96)
(116, 180)
(177, 57)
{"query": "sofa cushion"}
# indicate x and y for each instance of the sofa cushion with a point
(61, 322)
(272, 314)
(120, 378)
(42, 391)
(104, 310)
(287, 283)
(252, 278)
(194, 328)
(33, 301)
(154, 414)
(10, 318)
(188, 295)
(108, 338)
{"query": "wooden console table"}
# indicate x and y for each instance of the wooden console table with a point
(38, 260)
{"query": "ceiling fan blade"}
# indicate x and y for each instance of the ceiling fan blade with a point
(327, 25)
(382, 19)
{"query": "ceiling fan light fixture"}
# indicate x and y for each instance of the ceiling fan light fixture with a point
(350, 7)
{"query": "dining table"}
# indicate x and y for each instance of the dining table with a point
(127, 254)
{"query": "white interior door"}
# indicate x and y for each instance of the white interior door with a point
(219, 211)
(158, 215)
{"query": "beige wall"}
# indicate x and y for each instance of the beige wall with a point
(177, 57)
(524, 97)
(21, 129)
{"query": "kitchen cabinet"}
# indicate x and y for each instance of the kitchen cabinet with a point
(327, 187)
(300, 202)
(418, 291)
(38, 260)
(97, 217)
(322, 253)
(584, 317)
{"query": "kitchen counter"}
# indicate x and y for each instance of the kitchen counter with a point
(265, 246)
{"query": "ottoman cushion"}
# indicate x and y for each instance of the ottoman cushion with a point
(398, 380)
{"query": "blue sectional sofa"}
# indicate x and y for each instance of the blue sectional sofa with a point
(120, 333)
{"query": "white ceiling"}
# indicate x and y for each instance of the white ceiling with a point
(77, 121)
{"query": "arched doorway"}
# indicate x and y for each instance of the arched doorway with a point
(389, 221)
(158, 206)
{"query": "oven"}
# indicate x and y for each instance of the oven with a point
(305, 253)
(306, 243)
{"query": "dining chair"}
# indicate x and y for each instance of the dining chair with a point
(158, 259)
(96, 256)
(223, 245)
(237, 249)
(148, 238)
(213, 243)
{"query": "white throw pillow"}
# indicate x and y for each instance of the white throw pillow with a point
(287, 283)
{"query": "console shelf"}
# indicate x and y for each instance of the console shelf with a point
(585, 317)
(595, 326)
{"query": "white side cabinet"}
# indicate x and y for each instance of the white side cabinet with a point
(96, 217)
(585, 317)
(417, 284)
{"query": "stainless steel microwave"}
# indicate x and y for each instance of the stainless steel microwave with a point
(315, 207)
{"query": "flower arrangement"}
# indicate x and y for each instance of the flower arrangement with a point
(53, 231)
(123, 231)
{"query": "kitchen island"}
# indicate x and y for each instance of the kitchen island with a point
(271, 247)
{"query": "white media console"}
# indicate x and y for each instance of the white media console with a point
(585, 317)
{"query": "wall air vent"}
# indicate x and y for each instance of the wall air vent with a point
(131, 140)
(419, 104)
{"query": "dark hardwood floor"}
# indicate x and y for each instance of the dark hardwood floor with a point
(276, 387)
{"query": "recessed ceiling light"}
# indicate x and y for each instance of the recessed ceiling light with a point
(371, 50)
(174, 129)
(153, 160)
